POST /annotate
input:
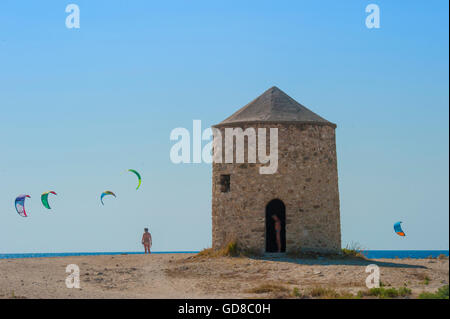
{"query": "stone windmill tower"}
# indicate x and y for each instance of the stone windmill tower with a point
(302, 193)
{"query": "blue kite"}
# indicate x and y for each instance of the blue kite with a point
(398, 229)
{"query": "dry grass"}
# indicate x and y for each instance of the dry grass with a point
(353, 250)
(268, 288)
(231, 249)
(322, 293)
(296, 293)
(441, 293)
(423, 277)
(207, 252)
(329, 293)
(386, 293)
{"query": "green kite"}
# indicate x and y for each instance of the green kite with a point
(44, 199)
(138, 176)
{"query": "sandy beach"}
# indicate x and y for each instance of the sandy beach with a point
(187, 276)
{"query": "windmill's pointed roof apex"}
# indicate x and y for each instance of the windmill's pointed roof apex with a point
(275, 106)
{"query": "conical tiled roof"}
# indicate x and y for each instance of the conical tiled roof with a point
(275, 106)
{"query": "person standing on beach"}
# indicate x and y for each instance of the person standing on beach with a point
(147, 240)
(277, 231)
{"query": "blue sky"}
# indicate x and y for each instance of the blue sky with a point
(81, 106)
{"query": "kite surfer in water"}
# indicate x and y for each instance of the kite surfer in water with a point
(147, 240)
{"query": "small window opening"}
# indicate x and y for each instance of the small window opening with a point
(224, 183)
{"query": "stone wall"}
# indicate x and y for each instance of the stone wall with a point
(306, 181)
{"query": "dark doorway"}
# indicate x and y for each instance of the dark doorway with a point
(275, 207)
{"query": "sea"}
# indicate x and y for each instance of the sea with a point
(371, 254)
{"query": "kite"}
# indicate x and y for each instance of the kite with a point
(20, 205)
(138, 176)
(44, 199)
(398, 229)
(106, 193)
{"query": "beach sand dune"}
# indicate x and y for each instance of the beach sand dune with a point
(187, 276)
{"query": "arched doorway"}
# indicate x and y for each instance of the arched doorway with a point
(275, 207)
